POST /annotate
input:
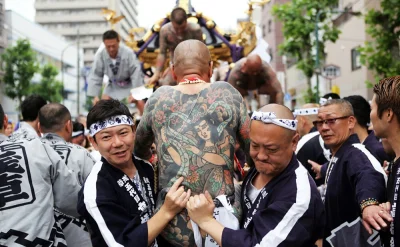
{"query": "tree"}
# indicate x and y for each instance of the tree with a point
(299, 18)
(20, 65)
(49, 88)
(382, 55)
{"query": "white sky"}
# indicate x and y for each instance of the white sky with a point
(223, 12)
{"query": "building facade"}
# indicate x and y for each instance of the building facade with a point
(3, 36)
(49, 48)
(68, 17)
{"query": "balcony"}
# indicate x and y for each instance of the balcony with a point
(69, 5)
(68, 18)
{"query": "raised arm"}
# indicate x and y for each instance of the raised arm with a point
(271, 86)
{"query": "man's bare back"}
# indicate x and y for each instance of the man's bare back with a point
(195, 129)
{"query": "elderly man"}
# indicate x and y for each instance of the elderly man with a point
(117, 199)
(355, 180)
(251, 73)
(28, 128)
(281, 204)
(385, 117)
(121, 66)
(194, 125)
(171, 34)
(55, 123)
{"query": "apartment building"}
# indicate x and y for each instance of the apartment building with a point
(71, 18)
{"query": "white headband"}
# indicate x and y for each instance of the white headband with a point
(322, 101)
(77, 133)
(306, 111)
(270, 117)
(110, 122)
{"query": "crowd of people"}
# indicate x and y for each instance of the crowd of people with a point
(198, 169)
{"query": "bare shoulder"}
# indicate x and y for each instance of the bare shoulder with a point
(165, 28)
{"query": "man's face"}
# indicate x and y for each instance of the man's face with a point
(179, 28)
(115, 144)
(377, 123)
(9, 130)
(271, 147)
(112, 46)
(334, 126)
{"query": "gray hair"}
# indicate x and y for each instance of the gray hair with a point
(345, 107)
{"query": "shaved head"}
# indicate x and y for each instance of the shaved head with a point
(280, 111)
(191, 57)
(310, 105)
(252, 64)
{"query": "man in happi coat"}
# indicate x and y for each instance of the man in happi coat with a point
(56, 125)
(354, 178)
(385, 118)
(281, 204)
(118, 197)
(194, 126)
(28, 128)
(310, 146)
(33, 180)
(121, 66)
(362, 110)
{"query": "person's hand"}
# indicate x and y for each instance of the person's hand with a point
(385, 168)
(176, 199)
(315, 167)
(385, 206)
(201, 208)
(95, 100)
(375, 217)
(153, 80)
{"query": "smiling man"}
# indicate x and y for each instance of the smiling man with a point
(118, 197)
(281, 204)
(355, 181)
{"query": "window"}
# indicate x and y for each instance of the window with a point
(355, 59)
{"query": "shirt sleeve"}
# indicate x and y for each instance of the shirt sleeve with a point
(65, 184)
(117, 226)
(95, 80)
(88, 163)
(369, 183)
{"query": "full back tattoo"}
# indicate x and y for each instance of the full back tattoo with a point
(195, 136)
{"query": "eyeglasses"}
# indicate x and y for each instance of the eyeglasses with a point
(318, 124)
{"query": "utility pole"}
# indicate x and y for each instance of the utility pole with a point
(78, 75)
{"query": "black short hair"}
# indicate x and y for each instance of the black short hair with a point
(105, 109)
(52, 117)
(110, 34)
(77, 126)
(30, 107)
(178, 15)
(361, 109)
(1, 117)
(331, 95)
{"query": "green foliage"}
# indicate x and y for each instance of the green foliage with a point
(383, 54)
(299, 18)
(19, 64)
(49, 88)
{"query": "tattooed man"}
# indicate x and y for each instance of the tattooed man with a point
(171, 34)
(194, 125)
(251, 73)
